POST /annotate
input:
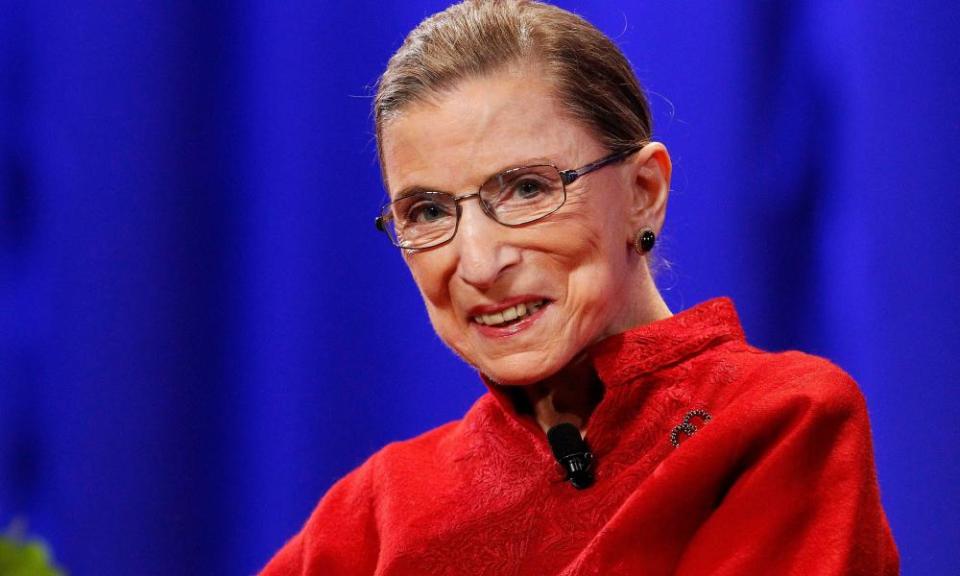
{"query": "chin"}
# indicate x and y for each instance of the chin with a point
(520, 370)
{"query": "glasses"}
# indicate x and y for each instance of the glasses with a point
(424, 219)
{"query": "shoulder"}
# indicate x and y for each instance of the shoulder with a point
(794, 386)
(360, 485)
(434, 447)
(402, 478)
(421, 454)
(413, 452)
(802, 375)
(791, 412)
(353, 499)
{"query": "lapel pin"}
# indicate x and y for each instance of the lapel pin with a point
(687, 426)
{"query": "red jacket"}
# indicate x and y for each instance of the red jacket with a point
(779, 480)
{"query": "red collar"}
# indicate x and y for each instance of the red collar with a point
(622, 358)
(644, 349)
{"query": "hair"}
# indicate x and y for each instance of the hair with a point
(592, 79)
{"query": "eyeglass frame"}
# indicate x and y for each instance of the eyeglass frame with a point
(567, 177)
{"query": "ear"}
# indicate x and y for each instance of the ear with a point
(648, 179)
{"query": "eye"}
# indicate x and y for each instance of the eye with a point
(528, 188)
(525, 187)
(425, 211)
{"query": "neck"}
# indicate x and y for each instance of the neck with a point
(566, 397)
(571, 395)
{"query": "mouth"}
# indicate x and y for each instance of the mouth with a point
(510, 315)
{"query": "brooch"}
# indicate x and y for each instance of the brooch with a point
(687, 427)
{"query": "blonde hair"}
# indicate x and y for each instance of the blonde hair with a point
(593, 80)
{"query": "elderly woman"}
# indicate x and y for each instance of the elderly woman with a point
(526, 196)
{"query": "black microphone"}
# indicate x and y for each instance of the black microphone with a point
(572, 453)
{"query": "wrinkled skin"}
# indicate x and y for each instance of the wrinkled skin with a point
(580, 258)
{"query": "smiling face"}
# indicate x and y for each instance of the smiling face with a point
(519, 303)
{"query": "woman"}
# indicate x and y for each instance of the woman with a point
(526, 196)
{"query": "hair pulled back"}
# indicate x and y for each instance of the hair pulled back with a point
(592, 79)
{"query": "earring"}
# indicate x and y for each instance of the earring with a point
(644, 241)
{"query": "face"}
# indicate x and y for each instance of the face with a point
(521, 303)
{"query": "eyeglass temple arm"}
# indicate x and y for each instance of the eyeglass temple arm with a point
(570, 176)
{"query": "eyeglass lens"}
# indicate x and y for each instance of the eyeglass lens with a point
(514, 197)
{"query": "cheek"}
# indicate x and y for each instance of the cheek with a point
(589, 235)
(596, 264)
(595, 287)
(431, 272)
(432, 276)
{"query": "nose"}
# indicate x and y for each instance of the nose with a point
(483, 246)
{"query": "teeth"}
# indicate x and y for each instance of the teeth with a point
(510, 314)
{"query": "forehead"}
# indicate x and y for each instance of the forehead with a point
(480, 127)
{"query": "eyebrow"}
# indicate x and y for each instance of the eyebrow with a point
(419, 189)
(416, 189)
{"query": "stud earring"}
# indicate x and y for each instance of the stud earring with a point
(644, 241)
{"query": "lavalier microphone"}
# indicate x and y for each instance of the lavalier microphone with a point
(572, 453)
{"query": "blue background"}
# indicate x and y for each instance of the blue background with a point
(200, 329)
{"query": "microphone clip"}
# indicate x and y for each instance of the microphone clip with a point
(572, 454)
(579, 469)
